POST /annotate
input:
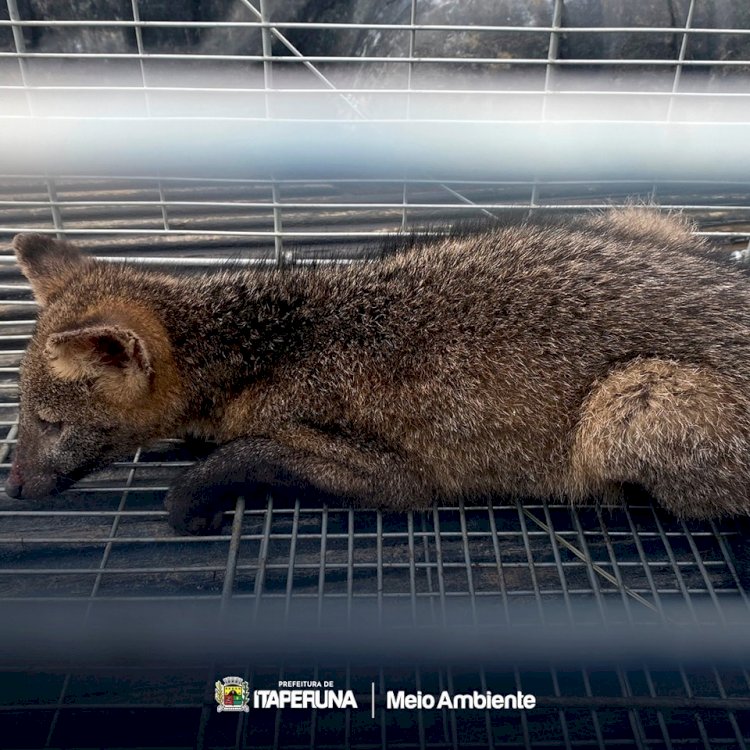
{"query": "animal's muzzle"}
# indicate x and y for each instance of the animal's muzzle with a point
(14, 482)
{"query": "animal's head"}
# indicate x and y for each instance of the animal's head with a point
(97, 377)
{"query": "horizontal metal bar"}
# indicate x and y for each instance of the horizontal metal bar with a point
(436, 181)
(339, 595)
(481, 509)
(372, 536)
(112, 571)
(395, 206)
(355, 565)
(723, 234)
(405, 59)
(177, 120)
(97, 540)
(375, 26)
(10, 260)
(195, 232)
(413, 92)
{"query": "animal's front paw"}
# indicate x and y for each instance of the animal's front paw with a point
(193, 512)
(186, 522)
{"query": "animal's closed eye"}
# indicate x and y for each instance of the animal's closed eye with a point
(49, 427)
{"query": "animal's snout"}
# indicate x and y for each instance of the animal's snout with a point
(13, 488)
(14, 482)
(31, 485)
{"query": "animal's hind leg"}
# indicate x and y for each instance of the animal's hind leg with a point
(681, 431)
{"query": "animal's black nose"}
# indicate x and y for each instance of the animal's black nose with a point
(12, 489)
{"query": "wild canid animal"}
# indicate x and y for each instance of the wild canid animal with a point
(560, 359)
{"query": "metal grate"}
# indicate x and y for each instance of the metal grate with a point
(107, 542)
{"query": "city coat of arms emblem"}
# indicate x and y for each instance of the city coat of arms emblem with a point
(232, 694)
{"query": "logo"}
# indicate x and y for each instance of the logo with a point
(232, 694)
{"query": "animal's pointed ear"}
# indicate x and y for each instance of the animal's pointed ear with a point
(116, 358)
(47, 263)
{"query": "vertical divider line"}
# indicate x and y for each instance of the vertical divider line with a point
(629, 614)
(292, 557)
(731, 714)
(20, 45)
(349, 607)
(680, 60)
(684, 591)
(412, 47)
(443, 612)
(349, 565)
(233, 554)
(321, 593)
(280, 257)
(230, 570)
(726, 554)
(696, 715)
(439, 562)
(379, 561)
(552, 53)
(415, 620)
(323, 555)
(54, 205)
(163, 205)
(475, 621)
(549, 70)
(704, 573)
(635, 720)
(262, 558)
(267, 46)
(141, 53)
(499, 563)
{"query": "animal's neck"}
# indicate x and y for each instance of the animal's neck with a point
(228, 331)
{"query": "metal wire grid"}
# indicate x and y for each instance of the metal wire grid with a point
(200, 222)
(108, 540)
(279, 555)
(275, 29)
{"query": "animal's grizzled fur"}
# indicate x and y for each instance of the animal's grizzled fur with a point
(534, 360)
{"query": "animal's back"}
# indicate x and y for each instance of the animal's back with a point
(482, 353)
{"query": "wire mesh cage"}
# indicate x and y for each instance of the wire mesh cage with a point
(679, 63)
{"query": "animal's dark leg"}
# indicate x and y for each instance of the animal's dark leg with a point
(305, 462)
